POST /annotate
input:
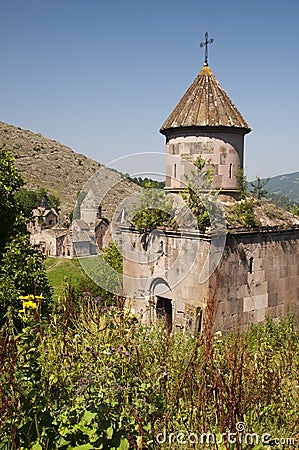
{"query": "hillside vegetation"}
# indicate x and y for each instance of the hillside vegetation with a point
(92, 377)
(284, 185)
(46, 163)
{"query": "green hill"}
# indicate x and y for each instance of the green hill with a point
(284, 185)
(46, 163)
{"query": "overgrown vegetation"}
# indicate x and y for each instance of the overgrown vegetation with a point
(143, 182)
(154, 210)
(258, 188)
(196, 201)
(21, 267)
(94, 378)
(27, 200)
(83, 373)
(242, 213)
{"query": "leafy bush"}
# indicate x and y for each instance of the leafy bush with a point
(155, 210)
(10, 182)
(194, 199)
(242, 213)
(21, 269)
(94, 378)
(104, 277)
(27, 200)
(21, 273)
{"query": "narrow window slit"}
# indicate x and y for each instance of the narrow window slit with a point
(251, 265)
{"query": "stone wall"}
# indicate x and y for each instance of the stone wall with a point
(223, 152)
(258, 277)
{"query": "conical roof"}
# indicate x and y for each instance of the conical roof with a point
(44, 203)
(205, 104)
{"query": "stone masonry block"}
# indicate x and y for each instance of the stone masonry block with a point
(255, 302)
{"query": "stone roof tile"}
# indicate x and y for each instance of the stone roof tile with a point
(205, 104)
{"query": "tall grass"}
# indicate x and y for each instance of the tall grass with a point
(93, 377)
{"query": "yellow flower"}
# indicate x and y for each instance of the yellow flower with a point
(30, 304)
(30, 298)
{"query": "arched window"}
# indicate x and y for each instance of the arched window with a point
(174, 171)
(230, 171)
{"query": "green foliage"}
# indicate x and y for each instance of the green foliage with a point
(113, 257)
(93, 378)
(61, 269)
(10, 182)
(242, 213)
(106, 280)
(258, 190)
(295, 210)
(145, 181)
(242, 183)
(28, 200)
(52, 199)
(70, 271)
(21, 273)
(282, 201)
(155, 210)
(194, 200)
(21, 270)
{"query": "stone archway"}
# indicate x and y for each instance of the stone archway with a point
(162, 295)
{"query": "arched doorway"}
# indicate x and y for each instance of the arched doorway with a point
(161, 292)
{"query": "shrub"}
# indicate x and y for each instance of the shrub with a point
(21, 273)
(242, 213)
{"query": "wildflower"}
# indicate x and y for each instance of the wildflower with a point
(30, 305)
(87, 294)
(128, 356)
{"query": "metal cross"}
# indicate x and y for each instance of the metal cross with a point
(205, 44)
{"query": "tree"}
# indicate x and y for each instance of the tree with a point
(22, 273)
(258, 188)
(193, 199)
(242, 183)
(10, 182)
(21, 269)
(26, 200)
(52, 199)
(104, 282)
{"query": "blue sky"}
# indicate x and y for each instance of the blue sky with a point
(101, 77)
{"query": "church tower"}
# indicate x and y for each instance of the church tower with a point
(205, 123)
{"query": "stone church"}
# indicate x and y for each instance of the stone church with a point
(83, 237)
(256, 273)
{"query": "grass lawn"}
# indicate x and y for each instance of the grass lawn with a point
(60, 270)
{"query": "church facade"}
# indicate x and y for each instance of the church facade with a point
(257, 273)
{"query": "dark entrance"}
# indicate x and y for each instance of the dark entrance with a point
(164, 311)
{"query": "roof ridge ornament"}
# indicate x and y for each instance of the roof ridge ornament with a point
(205, 44)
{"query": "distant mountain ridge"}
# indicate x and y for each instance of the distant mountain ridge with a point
(284, 185)
(46, 163)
